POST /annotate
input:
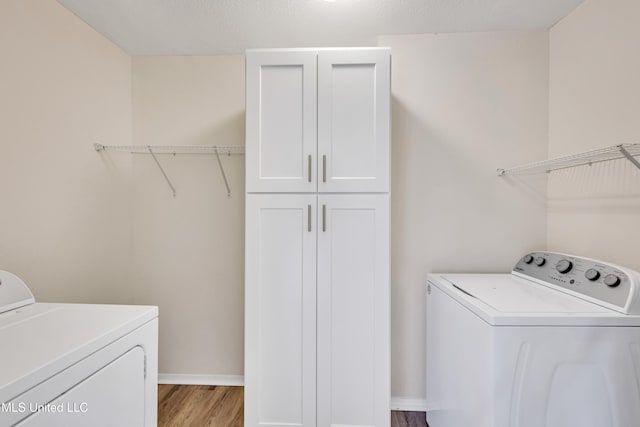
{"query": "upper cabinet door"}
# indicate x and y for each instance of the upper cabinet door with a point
(281, 108)
(354, 120)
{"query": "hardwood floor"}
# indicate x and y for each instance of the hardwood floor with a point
(216, 406)
(408, 419)
(200, 405)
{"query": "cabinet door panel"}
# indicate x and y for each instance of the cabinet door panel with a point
(354, 120)
(281, 121)
(280, 318)
(353, 310)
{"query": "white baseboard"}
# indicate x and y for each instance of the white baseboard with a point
(408, 404)
(191, 379)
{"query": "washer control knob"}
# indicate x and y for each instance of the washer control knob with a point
(564, 266)
(611, 280)
(540, 261)
(528, 259)
(592, 274)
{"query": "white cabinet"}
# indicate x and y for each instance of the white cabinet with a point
(317, 238)
(353, 310)
(353, 120)
(318, 120)
(317, 306)
(280, 310)
(281, 121)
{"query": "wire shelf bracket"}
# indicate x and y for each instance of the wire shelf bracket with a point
(622, 151)
(175, 150)
(173, 190)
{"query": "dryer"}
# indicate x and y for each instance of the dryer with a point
(556, 343)
(75, 364)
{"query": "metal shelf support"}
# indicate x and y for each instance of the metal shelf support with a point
(173, 190)
(224, 176)
(629, 156)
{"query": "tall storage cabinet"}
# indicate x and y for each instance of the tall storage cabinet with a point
(317, 238)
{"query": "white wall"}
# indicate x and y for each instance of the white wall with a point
(188, 251)
(463, 105)
(64, 212)
(594, 103)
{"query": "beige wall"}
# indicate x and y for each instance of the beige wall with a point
(594, 103)
(64, 213)
(80, 226)
(188, 251)
(463, 105)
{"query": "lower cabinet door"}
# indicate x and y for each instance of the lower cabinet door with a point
(353, 310)
(280, 310)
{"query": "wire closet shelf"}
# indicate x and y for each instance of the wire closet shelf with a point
(152, 150)
(623, 151)
(173, 149)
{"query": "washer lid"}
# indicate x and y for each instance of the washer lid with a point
(505, 299)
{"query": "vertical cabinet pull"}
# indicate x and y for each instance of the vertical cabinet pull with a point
(324, 217)
(309, 169)
(324, 168)
(309, 218)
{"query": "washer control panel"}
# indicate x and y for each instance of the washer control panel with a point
(593, 279)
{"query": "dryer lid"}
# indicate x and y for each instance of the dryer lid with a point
(42, 340)
(14, 293)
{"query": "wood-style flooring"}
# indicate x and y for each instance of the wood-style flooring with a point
(200, 406)
(216, 406)
(408, 419)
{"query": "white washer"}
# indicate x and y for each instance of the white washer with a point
(556, 343)
(75, 364)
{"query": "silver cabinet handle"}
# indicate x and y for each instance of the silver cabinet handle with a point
(309, 218)
(309, 168)
(324, 218)
(324, 168)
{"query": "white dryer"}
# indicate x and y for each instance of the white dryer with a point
(75, 364)
(556, 343)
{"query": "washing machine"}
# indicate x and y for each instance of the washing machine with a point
(75, 364)
(555, 343)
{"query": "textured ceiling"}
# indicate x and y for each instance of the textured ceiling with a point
(206, 27)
